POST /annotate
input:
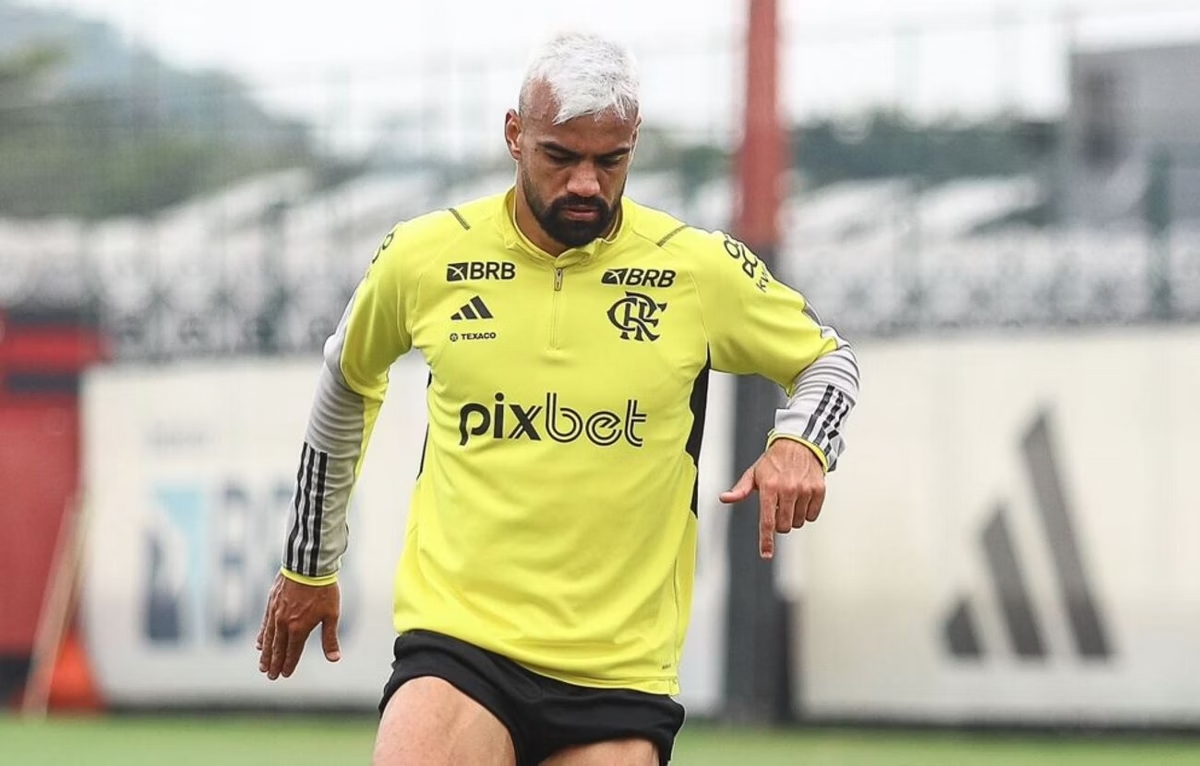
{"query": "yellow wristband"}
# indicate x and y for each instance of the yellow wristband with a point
(774, 437)
(329, 579)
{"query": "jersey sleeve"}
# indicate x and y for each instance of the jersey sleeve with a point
(374, 331)
(757, 325)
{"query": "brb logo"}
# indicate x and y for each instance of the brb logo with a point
(507, 420)
(210, 553)
(639, 277)
(635, 316)
(472, 271)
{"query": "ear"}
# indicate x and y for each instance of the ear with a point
(512, 133)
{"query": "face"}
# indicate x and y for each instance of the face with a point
(570, 176)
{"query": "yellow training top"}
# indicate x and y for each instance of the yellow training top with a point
(554, 518)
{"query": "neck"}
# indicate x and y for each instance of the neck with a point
(529, 226)
(527, 222)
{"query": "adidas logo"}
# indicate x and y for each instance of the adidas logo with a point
(474, 309)
(1018, 611)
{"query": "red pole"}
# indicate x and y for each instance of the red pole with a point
(757, 650)
(762, 159)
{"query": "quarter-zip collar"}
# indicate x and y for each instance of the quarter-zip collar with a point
(515, 239)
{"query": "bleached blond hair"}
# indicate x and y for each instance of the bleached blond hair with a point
(586, 74)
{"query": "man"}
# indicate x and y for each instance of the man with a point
(545, 583)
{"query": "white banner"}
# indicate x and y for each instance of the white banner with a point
(1013, 535)
(188, 473)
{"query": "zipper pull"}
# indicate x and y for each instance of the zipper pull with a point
(558, 279)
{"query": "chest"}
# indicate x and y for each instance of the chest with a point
(627, 330)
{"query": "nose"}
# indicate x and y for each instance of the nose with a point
(584, 181)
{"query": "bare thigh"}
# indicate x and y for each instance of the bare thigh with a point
(428, 722)
(624, 752)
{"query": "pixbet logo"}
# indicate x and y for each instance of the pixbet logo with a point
(509, 420)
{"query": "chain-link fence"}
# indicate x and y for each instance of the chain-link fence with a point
(191, 220)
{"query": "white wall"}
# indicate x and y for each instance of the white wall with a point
(939, 451)
(191, 466)
(947, 451)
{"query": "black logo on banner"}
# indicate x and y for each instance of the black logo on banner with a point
(1018, 613)
(635, 316)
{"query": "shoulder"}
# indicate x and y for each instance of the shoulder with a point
(652, 225)
(674, 235)
(417, 243)
(697, 249)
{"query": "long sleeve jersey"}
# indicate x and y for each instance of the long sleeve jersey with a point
(554, 518)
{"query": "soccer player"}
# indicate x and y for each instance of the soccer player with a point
(544, 588)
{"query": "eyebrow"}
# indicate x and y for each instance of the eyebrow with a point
(558, 148)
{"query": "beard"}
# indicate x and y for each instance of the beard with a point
(553, 220)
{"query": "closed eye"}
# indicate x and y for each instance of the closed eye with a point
(558, 154)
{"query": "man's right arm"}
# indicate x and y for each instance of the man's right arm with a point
(372, 334)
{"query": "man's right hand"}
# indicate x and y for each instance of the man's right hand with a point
(293, 610)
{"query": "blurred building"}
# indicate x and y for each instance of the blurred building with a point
(907, 236)
(1132, 136)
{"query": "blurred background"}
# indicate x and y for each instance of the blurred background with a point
(998, 203)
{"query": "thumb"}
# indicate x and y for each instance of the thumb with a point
(742, 489)
(329, 639)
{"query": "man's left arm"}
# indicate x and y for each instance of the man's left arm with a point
(758, 325)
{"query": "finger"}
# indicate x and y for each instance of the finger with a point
(329, 639)
(279, 649)
(815, 504)
(766, 524)
(785, 513)
(262, 629)
(268, 640)
(297, 639)
(266, 630)
(742, 489)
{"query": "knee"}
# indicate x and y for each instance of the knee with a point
(428, 722)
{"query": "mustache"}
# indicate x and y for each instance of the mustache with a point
(574, 200)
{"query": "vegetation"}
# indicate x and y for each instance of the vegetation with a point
(91, 127)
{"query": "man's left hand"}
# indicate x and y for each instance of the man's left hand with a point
(791, 489)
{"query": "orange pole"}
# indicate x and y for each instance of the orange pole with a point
(758, 666)
(763, 156)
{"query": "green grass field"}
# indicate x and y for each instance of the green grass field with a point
(334, 741)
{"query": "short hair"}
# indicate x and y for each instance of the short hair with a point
(586, 74)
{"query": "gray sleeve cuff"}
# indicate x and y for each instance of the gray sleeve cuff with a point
(821, 400)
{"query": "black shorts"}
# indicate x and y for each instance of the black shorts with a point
(542, 715)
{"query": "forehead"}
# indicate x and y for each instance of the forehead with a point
(589, 134)
(586, 134)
